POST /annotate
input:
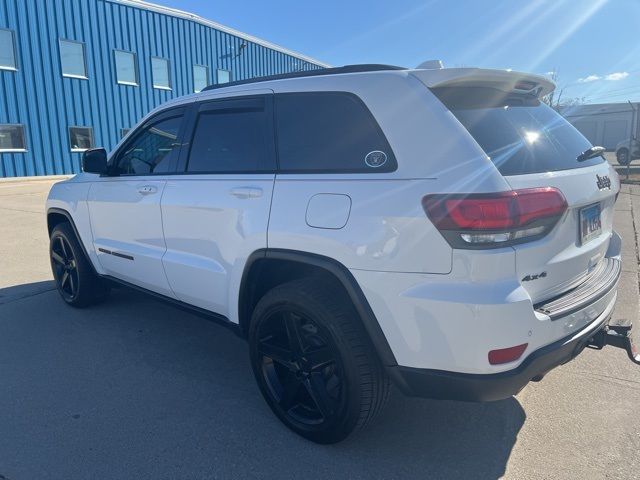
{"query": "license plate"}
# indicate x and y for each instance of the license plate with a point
(590, 224)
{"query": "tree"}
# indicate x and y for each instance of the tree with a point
(554, 99)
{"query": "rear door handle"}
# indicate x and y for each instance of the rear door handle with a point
(246, 192)
(147, 189)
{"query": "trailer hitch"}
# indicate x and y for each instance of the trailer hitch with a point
(618, 336)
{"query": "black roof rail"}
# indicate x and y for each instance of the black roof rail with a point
(308, 73)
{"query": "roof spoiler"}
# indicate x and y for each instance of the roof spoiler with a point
(505, 80)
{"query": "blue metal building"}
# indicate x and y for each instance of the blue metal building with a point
(78, 73)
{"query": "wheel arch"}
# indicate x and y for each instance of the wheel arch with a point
(267, 268)
(55, 216)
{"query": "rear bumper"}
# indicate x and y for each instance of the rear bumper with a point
(489, 387)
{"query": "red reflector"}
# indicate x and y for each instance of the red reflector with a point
(506, 355)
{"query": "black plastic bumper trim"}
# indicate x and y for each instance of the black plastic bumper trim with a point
(471, 387)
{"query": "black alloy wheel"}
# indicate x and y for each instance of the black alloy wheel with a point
(77, 282)
(623, 157)
(65, 268)
(314, 362)
(300, 368)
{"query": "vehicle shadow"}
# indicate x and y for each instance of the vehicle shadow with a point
(16, 292)
(134, 387)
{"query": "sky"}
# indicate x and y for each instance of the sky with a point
(592, 45)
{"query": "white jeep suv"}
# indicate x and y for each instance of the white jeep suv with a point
(443, 230)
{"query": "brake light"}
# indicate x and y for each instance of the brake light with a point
(495, 219)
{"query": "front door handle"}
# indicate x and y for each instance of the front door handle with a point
(147, 189)
(246, 192)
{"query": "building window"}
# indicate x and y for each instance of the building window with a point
(72, 59)
(224, 76)
(160, 70)
(80, 138)
(12, 138)
(124, 132)
(126, 71)
(7, 50)
(200, 77)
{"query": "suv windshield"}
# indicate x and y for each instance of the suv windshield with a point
(520, 133)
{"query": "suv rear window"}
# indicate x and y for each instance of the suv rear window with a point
(521, 134)
(329, 132)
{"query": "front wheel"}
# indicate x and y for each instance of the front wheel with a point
(77, 284)
(623, 157)
(313, 361)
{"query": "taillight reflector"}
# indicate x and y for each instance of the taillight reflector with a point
(506, 355)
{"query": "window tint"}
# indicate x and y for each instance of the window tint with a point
(7, 50)
(224, 76)
(72, 59)
(152, 149)
(160, 70)
(12, 138)
(329, 132)
(200, 77)
(124, 132)
(521, 134)
(232, 140)
(126, 72)
(80, 138)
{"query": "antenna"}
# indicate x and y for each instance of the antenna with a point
(431, 65)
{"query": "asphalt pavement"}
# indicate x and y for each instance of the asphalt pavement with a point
(134, 388)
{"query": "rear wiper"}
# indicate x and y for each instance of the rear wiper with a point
(590, 153)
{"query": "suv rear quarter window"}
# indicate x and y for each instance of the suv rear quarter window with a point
(329, 132)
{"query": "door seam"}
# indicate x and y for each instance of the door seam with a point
(273, 190)
(164, 240)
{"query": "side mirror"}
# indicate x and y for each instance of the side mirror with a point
(94, 160)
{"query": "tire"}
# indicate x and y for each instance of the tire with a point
(314, 362)
(75, 279)
(623, 157)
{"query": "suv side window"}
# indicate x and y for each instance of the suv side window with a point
(233, 136)
(329, 132)
(153, 149)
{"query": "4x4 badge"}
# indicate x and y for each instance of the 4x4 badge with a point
(603, 182)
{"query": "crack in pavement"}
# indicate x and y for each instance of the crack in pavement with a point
(610, 377)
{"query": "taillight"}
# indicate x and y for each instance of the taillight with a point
(491, 220)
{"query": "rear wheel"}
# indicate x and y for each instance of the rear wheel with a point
(623, 157)
(313, 361)
(77, 284)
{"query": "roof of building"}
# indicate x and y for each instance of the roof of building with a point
(598, 109)
(209, 23)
